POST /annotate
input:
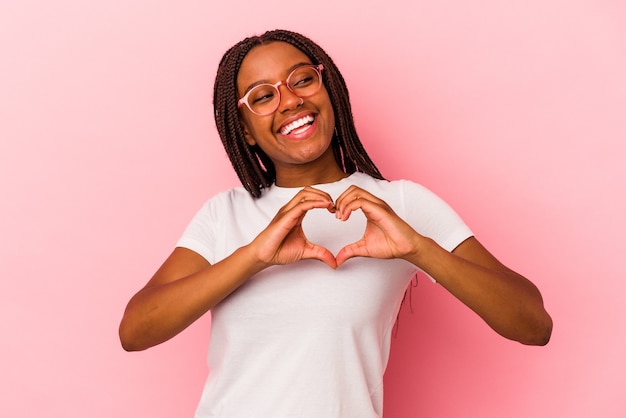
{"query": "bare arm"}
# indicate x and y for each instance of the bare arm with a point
(508, 302)
(187, 286)
(182, 290)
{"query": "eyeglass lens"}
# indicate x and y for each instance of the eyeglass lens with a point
(303, 82)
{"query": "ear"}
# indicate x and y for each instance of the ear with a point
(246, 132)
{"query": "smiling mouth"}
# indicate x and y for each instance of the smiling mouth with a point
(297, 125)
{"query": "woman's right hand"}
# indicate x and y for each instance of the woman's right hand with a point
(284, 242)
(187, 286)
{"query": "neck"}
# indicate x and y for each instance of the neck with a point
(323, 170)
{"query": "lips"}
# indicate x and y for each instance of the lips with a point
(298, 125)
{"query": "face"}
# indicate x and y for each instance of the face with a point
(299, 132)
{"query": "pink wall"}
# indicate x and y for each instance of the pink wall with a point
(512, 111)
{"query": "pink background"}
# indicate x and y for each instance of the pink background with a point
(514, 112)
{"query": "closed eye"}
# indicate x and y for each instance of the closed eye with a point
(265, 97)
(303, 82)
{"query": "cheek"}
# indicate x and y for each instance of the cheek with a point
(327, 111)
(331, 119)
(331, 122)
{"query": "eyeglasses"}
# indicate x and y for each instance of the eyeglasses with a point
(264, 99)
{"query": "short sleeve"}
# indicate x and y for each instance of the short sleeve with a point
(432, 217)
(200, 235)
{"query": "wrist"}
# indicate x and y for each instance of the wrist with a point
(252, 258)
(422, 250)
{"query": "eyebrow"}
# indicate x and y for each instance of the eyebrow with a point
(289, 70)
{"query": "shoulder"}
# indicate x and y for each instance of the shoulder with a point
(229, 197)
(399, 190)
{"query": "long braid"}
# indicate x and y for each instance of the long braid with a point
(254, 168)
(242, 157)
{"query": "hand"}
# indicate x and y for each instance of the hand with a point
(386, 234)
(284, 242)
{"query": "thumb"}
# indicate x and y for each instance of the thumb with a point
(317, 252)
(356, 249)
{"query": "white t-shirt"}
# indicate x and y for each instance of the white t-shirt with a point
(304, 340)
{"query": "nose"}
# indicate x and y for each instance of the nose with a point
(288, 99)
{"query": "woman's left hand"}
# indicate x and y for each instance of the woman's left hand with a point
(386, 234)
(507, 301)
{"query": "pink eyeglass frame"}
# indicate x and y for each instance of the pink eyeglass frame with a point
(244, 100)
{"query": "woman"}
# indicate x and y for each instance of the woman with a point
(292, 336)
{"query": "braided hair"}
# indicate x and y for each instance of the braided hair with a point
(254, 168)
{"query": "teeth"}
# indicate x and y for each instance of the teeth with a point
(296, 124)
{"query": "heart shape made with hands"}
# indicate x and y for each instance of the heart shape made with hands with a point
(322, 228)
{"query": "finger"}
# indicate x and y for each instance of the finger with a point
(316, 252)
(352, 199)
(372, 210)
(311, 194)
(291, 217)
(353, 193)
(356, 249)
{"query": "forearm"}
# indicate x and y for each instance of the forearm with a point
(508, 302)
(158, 312)
(186, 286)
